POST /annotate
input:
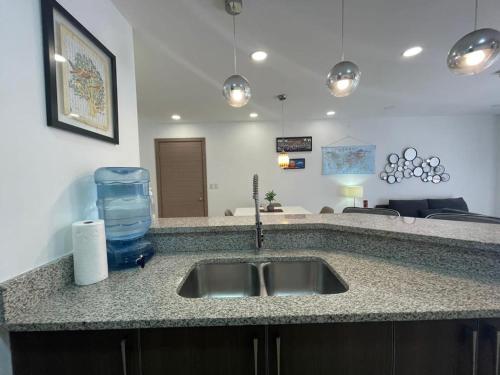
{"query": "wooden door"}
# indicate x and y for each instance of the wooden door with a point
(181, 176)
(489, 347)
(326, 349)
(75, 353)
(436, 347)
(203, 351)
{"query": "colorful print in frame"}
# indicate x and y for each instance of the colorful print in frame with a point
(80, 77)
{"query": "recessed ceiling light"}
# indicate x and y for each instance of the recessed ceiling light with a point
(254, 115)
(176, 117)
(259, 56)
(330, 113)
(59, 58)
(413, 51)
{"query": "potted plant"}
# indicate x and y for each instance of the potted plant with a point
(270, 197)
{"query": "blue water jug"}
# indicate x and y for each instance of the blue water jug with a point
(123, 201)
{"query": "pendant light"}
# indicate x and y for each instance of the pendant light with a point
(236, 88)
(476, 51)
(283, 158)
(344, 77)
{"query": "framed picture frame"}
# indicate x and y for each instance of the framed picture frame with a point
(294, 144)
(299, 163)
(80, 77)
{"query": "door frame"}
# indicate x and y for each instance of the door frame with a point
(158, 142)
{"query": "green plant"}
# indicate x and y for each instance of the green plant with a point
(270, 195)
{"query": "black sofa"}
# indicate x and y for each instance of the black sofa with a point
(426, 207)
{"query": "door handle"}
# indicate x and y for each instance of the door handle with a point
(256, 355)
(496, 332)
(123, 347)
(201, 199)
(278, 355)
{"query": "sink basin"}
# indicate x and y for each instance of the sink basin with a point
(275, 278)
(221, 280)
(298, 278)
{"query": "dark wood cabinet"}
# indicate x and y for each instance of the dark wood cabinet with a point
(75, 353)
(203, 351)
(489, 347)
(453, 347)
(436, 347)
(326, 349)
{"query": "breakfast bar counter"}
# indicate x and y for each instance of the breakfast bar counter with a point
(395, 270)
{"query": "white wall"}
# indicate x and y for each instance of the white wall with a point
(466, 146)
(46, 181)
(497, 190)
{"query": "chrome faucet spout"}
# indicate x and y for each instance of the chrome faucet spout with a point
(259, 237)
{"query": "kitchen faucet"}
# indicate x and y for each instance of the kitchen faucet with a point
(259, 237)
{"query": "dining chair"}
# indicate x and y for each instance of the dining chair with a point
(327, 210)
(371, 211)
(475, 218)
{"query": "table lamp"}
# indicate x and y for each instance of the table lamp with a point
(353, 192)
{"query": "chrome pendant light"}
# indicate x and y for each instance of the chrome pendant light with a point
(283, 158)
(236, 88)
(344, 77)
(476, 51)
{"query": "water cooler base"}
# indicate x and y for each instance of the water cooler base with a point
(130, 253)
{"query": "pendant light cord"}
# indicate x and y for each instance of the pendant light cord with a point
(342, 31)
(475, 15)
(234, 42)
(283, 116)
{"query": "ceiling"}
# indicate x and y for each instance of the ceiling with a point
(183, 52)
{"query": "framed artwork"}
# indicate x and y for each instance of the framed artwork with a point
(80, 77)
(297, 163)
(293, 144)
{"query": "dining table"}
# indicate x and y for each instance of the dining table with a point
(283, 210)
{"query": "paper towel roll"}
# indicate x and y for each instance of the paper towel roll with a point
(89, 252)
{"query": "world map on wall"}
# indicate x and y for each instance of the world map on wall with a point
(349, 159)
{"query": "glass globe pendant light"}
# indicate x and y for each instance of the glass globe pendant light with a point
(476, 51)
(283, 158)
(236, 88)
(344, 77)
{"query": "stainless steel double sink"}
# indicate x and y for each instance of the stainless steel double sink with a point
(227, 279)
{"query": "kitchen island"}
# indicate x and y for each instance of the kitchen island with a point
(405, 277)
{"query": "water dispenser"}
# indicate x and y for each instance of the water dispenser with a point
(124, 203)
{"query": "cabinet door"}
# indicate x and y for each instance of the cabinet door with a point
(489, 347)
(326, 349)
(75, 353)
(203, 351)
(436, 347)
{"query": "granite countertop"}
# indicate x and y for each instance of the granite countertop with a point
(379, 290)
(477, 235)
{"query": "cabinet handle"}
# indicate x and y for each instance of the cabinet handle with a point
(474, 351)
(256, 355)
(497, 351)
(123, 347)
(278, 354)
